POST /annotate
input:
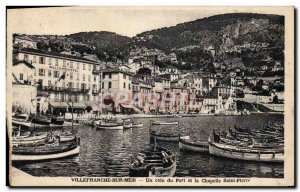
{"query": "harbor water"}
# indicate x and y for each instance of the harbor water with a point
(105, 153)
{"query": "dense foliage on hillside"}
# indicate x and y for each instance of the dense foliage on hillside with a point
(254, 38)
(108, 45)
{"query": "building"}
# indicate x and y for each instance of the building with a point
(116, 89)
(211, 104)
(23, 72)
(25, 42)
(277, 67)
(60, 78)
(221, 91)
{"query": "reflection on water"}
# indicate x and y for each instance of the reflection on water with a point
(109, 152)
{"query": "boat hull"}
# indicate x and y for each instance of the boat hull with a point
(19, 157)
(138, 126)
(193, 147)
(16, 122)
(164, 171)
(164, 123)
(117, 127)
(216, 150)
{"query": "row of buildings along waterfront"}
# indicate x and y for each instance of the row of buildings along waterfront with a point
(54, 81)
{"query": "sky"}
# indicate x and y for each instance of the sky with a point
(127, 21)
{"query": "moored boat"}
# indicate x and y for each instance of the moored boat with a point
(137, 125)
(41, 120)
(57, 120)
(31, 140)
(44, 152)
(127, 125)
(153, 162)
(109, 126)
(248, 153)
(164, 123)
(165, 136)
(21, 120)
(193, 146)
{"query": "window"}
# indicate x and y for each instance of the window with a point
(102, 85)
(49, 73)
(124, 76)
(95, 78)
(83, 77)
(56, 74)
(124, 85)
(71, 64)
(56, 62)
(77, 65)
(129, 86)
(83, 67)
(90, 67)
(77, 77)
(21, 76)
(64, 63)
(49, 82)
(41, 72)
(26, 57)
(34, 59)
(71, 76)
(109, 84)
(42, 60)
(89, 78)
(50, 61)
(77, 85)
(109, 75)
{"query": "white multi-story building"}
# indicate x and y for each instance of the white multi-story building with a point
(116, 88)
(60, 78)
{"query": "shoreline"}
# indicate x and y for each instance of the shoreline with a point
(92, 117)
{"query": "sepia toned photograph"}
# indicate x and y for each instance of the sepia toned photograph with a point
(150, 96)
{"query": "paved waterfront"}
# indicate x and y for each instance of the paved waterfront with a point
(108, 152)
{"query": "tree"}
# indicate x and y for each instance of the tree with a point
(275, 99)
(144, 71)
(42, 45)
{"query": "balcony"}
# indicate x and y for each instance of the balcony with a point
(96, 71)
(62, 89)
(95, 91)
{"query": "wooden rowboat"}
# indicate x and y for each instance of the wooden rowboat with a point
(109, 126)
(244, 153)
(189, 145)
(165, 136)
(164, 123)
(137, 125)
(45, 152)
(153, 162)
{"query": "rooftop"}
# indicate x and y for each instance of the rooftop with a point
(24, 62)
(37, 51)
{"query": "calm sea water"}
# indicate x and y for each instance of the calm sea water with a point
(109, 152)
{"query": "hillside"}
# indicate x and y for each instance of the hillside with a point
(256, 39)
(107, 45)
(222, 33)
